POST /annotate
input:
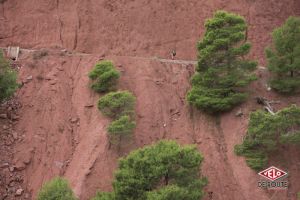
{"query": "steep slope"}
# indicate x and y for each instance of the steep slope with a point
(58, 120)
(65, 134)
(61, 124)
(131, 27)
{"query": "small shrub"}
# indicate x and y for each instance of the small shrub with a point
(117, 104)
(56, 189)
(104, 77)
(120, 127)
(8, 79)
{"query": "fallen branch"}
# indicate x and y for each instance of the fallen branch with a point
(266, 103)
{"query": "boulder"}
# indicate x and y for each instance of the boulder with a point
(3, 116)
(19, 192)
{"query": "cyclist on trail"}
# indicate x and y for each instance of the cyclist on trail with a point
(173, 54)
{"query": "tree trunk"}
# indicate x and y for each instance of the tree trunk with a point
(167, 179)
(265, 102)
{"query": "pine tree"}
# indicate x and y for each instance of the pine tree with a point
(266, 132)
(104, 76)
(117, 104)
(161, 171)
(120, 107)
(222, 70)
(119, 128)
(284, 56)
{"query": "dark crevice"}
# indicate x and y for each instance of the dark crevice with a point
(76, 29)
(192, 116)
(60, 23)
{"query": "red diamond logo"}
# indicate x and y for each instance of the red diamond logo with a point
(272, 173)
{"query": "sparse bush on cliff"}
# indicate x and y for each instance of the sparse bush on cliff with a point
(56, 189)
(117, 104)
(266, 132)
(104, 77)
(222, 71)
(120, 107)
(123, 126)
(8, 79)
(163, 171)
(284, 56)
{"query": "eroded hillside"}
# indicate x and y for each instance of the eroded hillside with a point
(64, 133)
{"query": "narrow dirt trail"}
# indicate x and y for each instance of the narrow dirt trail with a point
(74, 53)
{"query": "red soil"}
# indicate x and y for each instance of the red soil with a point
(64, 135)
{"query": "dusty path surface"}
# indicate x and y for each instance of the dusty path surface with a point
(74, 53)
(62, 131)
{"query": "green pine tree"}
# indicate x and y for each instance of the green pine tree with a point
(119, 128)
(120, 107)
(104, 76)
(222, 70)
(284, 56)
(266, 132)
(164, 171)
(117, 104)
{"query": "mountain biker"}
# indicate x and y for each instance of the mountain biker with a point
(173, 54)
